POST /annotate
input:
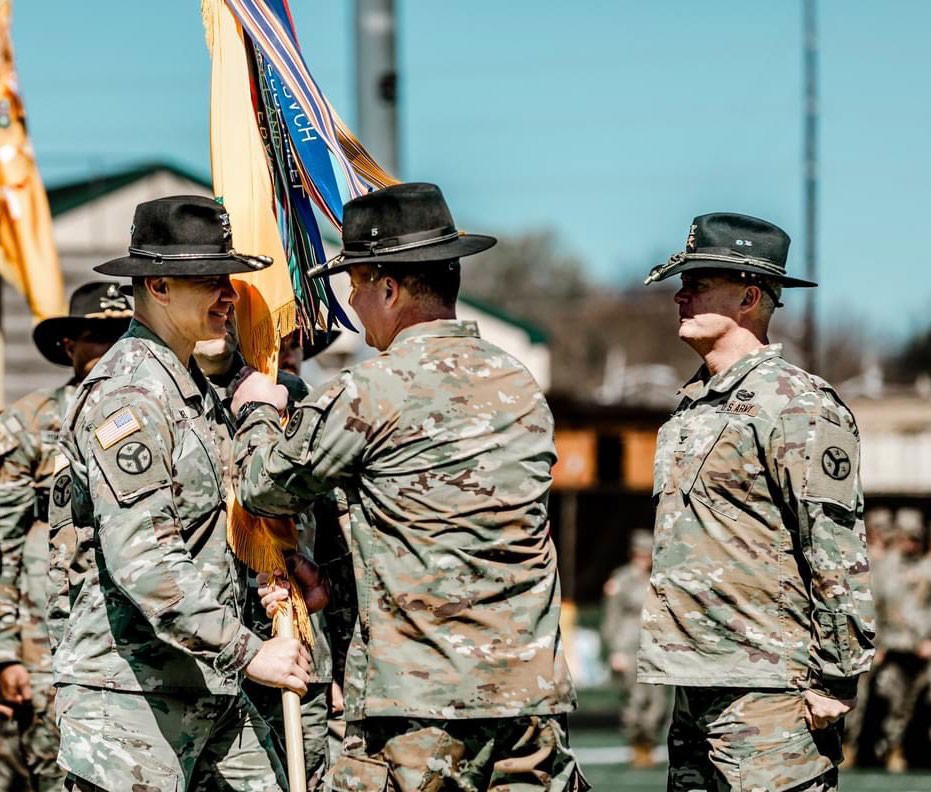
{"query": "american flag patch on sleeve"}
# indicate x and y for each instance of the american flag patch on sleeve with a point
(119, 425)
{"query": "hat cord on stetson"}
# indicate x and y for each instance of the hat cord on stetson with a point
(774, 269)
(660, 270)
(177, 256)
(372, 248)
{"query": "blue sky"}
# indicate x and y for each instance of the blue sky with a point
(611, 122)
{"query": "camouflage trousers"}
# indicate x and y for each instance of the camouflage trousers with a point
(30, 751)
(899, 681)
(645, 711)
(119, 741)
(13, 774)
(403, 755)
(748, 741)
(314, 708)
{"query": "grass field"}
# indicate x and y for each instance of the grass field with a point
(596, 747)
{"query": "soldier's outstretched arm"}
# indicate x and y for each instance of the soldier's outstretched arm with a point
(281, 471)
(816, 451)
(18, 453)
(139, 531)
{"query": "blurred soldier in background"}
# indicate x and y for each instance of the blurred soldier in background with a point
(645, 708)
(98, 315)
(880, 537)
(297, 347)
(759, 608)
(903, 605)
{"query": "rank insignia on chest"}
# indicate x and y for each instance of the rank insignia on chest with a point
(119, 425)
(49, 437)
(739, 408)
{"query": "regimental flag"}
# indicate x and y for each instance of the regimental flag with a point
(266, 309)
(28, 259)
(273, 140)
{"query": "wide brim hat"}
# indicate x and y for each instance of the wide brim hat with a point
(401, 224)
(735, 242)
(182, 236)
(99, 306)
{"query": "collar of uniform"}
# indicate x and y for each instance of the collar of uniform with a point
(438, 328)
(185, 378)
(726, 381)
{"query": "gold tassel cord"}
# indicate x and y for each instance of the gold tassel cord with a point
(260, 543)
(359, 158)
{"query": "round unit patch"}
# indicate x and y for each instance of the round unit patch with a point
(61, 491)
(836, 463)
(134, 458)
(294, 424)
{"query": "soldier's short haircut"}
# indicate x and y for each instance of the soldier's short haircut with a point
(772, 294)
(771, 289)
(139, 291)
(430, 281)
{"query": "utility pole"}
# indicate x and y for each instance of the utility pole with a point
(810, 337)
(377, 81)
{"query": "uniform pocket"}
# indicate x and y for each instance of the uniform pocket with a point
(351, 774)
(797, 760)
(201, 487)
(98, 746)
(726, 475)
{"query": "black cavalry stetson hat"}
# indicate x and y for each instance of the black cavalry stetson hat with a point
(725, 241)
(179, 236)
(404, 223)
(100, 306)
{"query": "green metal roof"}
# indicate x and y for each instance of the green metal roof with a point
(71, 195)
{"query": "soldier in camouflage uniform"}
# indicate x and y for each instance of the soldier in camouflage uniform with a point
(443, 444)
(99, 314)
(221, 361)
(150, 661)
(759, 609)
(903, 607)
(645, 709)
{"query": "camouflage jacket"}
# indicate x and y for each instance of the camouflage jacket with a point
(28, 444)
(443, 446)
(625, 592)
(154, 594)
(760, 570)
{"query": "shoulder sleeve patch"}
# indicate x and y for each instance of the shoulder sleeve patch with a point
(117, 427)
(133, 468)
(833, 465)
